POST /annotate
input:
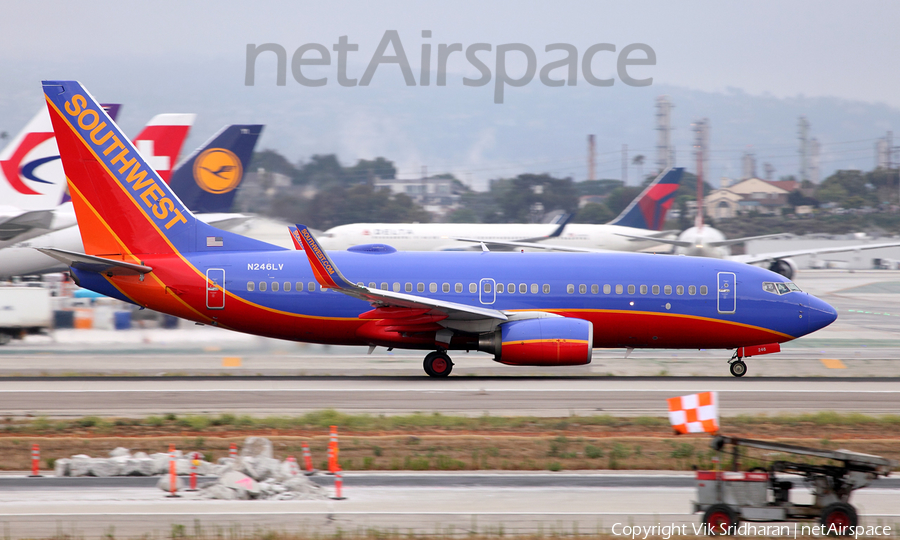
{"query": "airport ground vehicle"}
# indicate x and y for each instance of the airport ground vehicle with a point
(727, 497)
(23, 310)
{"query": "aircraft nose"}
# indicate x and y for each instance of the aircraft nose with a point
(821, 313)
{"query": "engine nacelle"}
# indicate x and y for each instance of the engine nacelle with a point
(785, 267)
(556, 341)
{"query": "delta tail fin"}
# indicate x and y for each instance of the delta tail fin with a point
(208, 180)
(123, 206)
(648, 210)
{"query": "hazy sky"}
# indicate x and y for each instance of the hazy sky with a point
(185, 53)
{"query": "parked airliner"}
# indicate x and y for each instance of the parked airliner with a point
(144, 246)
(643, 218)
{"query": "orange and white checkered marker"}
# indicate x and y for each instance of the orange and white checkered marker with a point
(696, 413)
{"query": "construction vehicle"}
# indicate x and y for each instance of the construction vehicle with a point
(727, 497)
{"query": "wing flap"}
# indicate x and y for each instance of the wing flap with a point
(92, 263)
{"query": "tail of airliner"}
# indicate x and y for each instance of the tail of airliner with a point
(31, 177)
(123, 206)
(648, 210)
(161, 140)
(208, 180)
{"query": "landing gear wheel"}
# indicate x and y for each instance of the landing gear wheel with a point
(738, 368)
(438, 364)
(720, 519)
(838, 518)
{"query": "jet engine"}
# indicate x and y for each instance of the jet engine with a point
(556, 341)
(785, 267)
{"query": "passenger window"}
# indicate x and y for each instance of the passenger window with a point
(473, 288)
(458, 287)
(655, 289)
(511, 288)
(582, 288)
(692, 290)
(631, 289)
(251, 286)
(667, 289)
(420, 287)
(595, 289)
(445, 287)
(679, 290)
(311, 286)
(432, 287)
(618, 289)
(371, 284)
(298, 286)
(360, 283)
(499, 288)
(570, 288)
(534, 288)
(275, 286)
(523, 288)
(606, 289)
(408, 287)
(384, 286)
(287, 286)
(643, 289)
(703, 290)
(546, 288)
(486, 285)
(262, 286)
(396, 287)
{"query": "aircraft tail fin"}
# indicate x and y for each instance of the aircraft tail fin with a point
(32, 177)
(161, 140)
(208, 180)
(123, 206)
(648, 210)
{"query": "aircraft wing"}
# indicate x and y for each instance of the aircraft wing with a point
(734, 241)
(93, 263)
(537, 245)
(13, 226)
(679, 243)
(765, 257)
(330, 277)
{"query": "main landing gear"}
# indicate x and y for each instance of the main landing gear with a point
(737, 366)
(438, 364)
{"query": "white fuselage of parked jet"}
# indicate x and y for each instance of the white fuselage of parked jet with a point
(448, 236)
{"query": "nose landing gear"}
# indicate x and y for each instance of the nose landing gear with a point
(438, 364)
(738, 368)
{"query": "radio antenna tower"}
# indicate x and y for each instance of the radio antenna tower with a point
(665, 152)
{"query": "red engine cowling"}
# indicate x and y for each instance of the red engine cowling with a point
(556, 341)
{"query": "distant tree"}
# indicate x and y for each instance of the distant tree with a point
(322, 170)
(518, 197)
(597, 187)
(338, 205)
(594, 213)
(462, 215)
(621, 197)
(365, 171)
(272, 161)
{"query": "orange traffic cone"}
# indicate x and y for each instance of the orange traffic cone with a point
(333, 451)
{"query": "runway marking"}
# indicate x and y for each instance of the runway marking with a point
(480, 391)
(361, 513)
(231, 361)
(833, 363)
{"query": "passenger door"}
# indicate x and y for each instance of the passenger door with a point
(215, 288)
(726, 292)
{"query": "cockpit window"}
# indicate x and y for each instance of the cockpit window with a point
(779, 288)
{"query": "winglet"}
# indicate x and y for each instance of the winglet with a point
(295, 236)
(327, 274)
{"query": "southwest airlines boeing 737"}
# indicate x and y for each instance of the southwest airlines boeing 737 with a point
(142, 245)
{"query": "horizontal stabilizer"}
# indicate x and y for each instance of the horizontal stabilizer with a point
(92, 263)
(16, 225)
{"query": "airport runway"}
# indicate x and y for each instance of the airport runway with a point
(422, 510)
(502, 396)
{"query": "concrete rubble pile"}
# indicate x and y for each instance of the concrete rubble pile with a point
(256, 474)
(121, 462)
